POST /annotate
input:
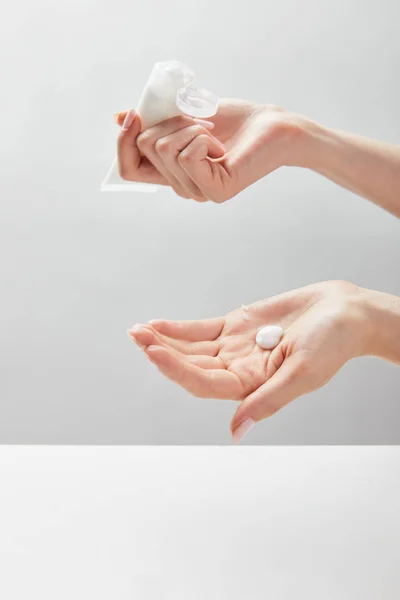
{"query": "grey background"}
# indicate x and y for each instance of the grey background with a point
(79, 267)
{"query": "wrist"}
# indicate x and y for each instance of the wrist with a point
(307, 142)
(315, 146)
(381, 324)
(294, 138)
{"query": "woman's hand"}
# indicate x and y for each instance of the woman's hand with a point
(214, 159)
(324, 325)
(247, 142)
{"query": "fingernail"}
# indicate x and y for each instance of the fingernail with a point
(150, 356)
(116, 117)
(242, 429)
(131, 332)
(130, 115)
(135, 328)
(205, 124)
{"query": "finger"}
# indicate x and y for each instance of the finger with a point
(189, 348)
(288, 383)
(149, 141)
(213, 383)
(202, 361)
(210, 177)
(190, 331)
(120, 117)
(169, 149)
(145, 335)
(130, 163)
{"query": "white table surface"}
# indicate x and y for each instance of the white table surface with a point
(194, 523)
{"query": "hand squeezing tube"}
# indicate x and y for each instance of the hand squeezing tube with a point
(170, 91)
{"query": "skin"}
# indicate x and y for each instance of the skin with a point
(326, 324)
(216, 159)
(209, 160)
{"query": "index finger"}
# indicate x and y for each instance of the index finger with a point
(132, 166)
(190, 331)
(203, 383)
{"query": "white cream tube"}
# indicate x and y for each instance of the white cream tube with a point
(170, 91)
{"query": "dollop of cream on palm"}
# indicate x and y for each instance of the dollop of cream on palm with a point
(268, 337)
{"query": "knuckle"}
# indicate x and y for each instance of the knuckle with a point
(188, 155)
(185, 157)
(144, 140)
(163, 146)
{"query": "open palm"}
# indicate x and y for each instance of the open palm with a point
(219, 358)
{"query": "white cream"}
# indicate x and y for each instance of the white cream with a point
(268, 337)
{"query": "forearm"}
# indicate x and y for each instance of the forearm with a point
(381, 318)
(366, 167)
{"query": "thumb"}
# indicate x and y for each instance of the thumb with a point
(250, 158)
(288, 383)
